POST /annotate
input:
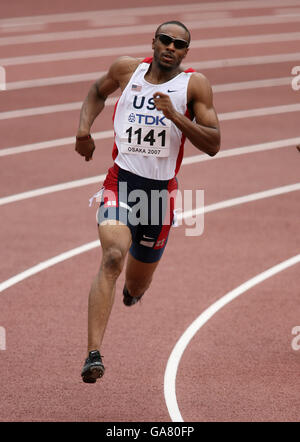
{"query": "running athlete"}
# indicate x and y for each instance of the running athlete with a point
(161, 104)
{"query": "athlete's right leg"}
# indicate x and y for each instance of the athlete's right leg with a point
(115, 241)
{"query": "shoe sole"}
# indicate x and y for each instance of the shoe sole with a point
(132, 300)
(92, 374)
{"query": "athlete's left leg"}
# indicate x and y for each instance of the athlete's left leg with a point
(149, 243)
(138, 275)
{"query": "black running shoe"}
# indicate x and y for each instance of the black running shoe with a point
(128, 299)
(93, 367)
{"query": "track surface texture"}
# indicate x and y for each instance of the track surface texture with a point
(243, 362)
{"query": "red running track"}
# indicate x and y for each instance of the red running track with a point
(241, 365)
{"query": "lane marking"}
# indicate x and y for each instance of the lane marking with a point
(51, 189)
(138, 49)
(240, 200)
(254, 84)
(13, 28)
(190, 332)
(147, 28)
(253, 148)
(247, 113)
(42, 110)
(145, 11)
(53, 81)
(46, 264)
(52, 143)
(271, 110)
(20, 24)
(217, 88)
(202, 65)
(186, 161)
(249, 61)
(91, 245)
(2, 338)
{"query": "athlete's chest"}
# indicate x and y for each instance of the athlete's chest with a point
(141, 128)
(139, 96)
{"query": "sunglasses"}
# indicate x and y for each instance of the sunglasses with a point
(167, 40)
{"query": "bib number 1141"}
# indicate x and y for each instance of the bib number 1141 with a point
(148, 138)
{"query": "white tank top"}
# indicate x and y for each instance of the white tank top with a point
(146, 142)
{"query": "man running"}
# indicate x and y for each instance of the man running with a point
(160, 106)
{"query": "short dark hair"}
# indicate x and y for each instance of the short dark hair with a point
(174, 22)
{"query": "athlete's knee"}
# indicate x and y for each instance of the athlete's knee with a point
(113, 261)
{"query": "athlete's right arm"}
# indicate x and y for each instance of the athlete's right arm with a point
(95, 101)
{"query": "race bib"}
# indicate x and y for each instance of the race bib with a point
(147, 135)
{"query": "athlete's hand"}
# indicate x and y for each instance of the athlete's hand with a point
(163, 103)
(85, 146)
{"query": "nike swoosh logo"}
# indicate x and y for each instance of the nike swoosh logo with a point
(171, 91)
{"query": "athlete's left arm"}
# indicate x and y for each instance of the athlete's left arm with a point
(204, 131)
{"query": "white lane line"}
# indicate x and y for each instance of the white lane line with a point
(52, 81)
(141, 49)
(43, 110)
(46, 264)
(13, 28)
(240, 200)
(202, 65)
(227, 87)
(248, 61)
(186, 161)
(51, 189)
(147, 28)
(271, 110)
(248, 113)
(91, 245)
(145, 11)
(260, 147)
(183, 342)
(52, 143)
(100, 17)
(254, 84)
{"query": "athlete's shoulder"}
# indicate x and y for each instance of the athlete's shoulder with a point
(199, 79)
(125, 65)
(199, 86)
